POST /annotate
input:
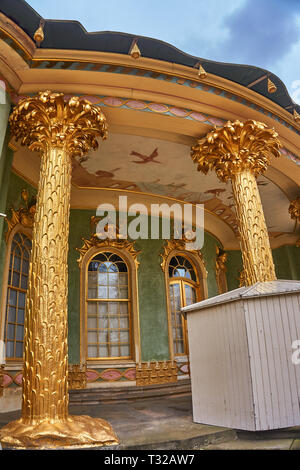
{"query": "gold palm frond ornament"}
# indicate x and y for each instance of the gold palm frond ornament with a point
(59, 129)
(241, 151)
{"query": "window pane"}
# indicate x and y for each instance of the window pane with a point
(111, 282)
(92, 323)
(103, 351)
(125, 350)
(92, 293)
(24, 280)
(92, 337)
(102, 292)
(21, 299)
(124, 322)
(92, 308)
(21, 314)
(113, 307)
(19, 332)
(10, 331)
(9, 349)
(17, 263)
(114, 351)
(12, 297)
(92, 351)
(11, 314)
(103, 336)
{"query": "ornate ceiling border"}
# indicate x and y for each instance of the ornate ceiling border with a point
(158, 108)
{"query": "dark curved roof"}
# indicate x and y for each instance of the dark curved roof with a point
(65, 34)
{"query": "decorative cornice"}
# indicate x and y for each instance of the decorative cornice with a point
(95, 242)
(23, 216)
(177, 245)
(47, 120)
(236, 147)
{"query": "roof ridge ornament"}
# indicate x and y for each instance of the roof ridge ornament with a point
(271, 86)
(202, 72)
(39, 33)
(134, 50)
(296, 115)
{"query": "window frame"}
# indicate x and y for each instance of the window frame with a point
(129, 303)
(134, 311)
(201, 291)
(18, 228)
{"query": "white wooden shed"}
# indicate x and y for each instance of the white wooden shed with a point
(240, 345)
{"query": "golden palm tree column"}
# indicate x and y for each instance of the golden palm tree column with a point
(59, 130)
(240, 152)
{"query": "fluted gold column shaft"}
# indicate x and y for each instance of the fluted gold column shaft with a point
(255, 244)
(240, 152)
(45, 394)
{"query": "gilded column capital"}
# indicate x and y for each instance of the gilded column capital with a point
(50, 120)
(236, 147)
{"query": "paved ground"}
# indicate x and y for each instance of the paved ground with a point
(166, 423)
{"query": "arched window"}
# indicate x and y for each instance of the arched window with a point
(108, 308)
(15, 298)
(183, 285)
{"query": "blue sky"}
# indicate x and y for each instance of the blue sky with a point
(265, 33)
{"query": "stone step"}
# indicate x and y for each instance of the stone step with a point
(93, 396)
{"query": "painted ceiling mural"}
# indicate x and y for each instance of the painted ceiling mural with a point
(164, 168)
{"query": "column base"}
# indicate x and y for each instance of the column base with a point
(75, 431)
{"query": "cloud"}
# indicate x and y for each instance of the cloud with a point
(262, 31)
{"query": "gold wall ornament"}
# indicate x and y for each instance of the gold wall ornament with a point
(156, 372)
(294, 209)
(95, 242)
(58, 129)
(179, 245)
(240, 152)
(221, 270)
(23, 216)
(77, 376)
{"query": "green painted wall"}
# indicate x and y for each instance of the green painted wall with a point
(287, 262)
(151, 289)
(234, 266)
(79, 227)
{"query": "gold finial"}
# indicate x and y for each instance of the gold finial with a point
(39, 34)
(202, 72)
(271, 86)
(134, 50)
(296, 116)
